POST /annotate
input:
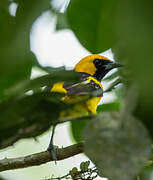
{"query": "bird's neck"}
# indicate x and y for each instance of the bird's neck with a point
(99, 74)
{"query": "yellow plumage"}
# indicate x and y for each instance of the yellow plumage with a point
(84, 108)
(92, 69)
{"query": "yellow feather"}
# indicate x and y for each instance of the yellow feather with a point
(86, 65)
(58, 87)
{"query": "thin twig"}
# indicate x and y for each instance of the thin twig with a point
(40, 158)
(112, 86)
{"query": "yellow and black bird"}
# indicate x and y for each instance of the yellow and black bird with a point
(92, 69)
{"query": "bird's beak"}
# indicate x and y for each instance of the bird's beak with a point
(112, 65)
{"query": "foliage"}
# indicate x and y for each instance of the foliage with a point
(126, 27)
(94, 29)
(85, 173)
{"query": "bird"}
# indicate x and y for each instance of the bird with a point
(91, 70)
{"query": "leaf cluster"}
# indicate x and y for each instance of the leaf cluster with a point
(85, 173)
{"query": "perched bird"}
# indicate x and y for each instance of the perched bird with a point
(92, 69)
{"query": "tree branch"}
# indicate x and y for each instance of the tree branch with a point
(40, 158)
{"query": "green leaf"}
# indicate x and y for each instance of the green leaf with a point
(1, 178)
(144, 112)
(77, 128)
(15, 64)
(114, 106)
(92, 23)
(84, 166)
(146, 174)
(4, 5)
(46, 80)
(135, 28)
(28, 116)
(24, 115)
(74, 172)
(16, 59)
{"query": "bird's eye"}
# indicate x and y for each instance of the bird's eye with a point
(98, 62)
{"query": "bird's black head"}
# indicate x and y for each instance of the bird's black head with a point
(95, 65)
(103, 66)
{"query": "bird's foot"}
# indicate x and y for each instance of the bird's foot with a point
(52, 149)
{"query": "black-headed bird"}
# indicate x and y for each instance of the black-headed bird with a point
(92, 69)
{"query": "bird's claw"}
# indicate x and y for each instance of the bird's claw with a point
(52, 149)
